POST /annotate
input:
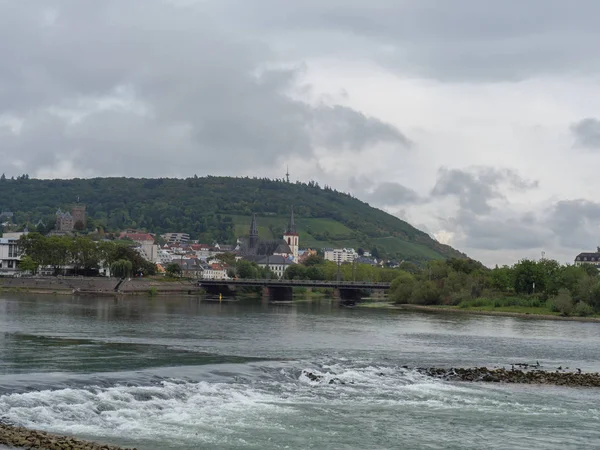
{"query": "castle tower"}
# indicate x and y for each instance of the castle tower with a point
(78, 213)
(291, 237)
(253, 235)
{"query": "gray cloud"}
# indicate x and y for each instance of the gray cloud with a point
(576, 223)
(494, 233)
(462, 39)
(587, 133)
(392, 194)
(150, 88)
(476, 187)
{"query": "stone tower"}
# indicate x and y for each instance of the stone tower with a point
(253, 235)
(78, 213)
(291, 237)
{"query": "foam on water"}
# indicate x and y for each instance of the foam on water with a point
(270, 406)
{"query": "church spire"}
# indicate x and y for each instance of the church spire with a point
(253, 227)
(253, 236)
(292, 225)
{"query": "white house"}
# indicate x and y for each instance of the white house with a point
(9, 256)
(215, 272)
(276, 264)
(340, 255)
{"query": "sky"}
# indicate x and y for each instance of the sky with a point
(477, 121)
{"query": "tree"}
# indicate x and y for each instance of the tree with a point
(246, 269)
(501, 279)
(313, 260)
(27, 264)
(315, 273)
(121, 268)
(528, 278)
(562, 302)
(425, 293)
(295, 272)
(173, 270)
(227, 258)
(79, 226)
(401, 288)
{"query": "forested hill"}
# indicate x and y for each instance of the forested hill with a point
(219, 209)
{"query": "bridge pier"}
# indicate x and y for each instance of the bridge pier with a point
(278, 293)
(347, 296)
(218, 289)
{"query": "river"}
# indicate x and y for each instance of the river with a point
(180, 373)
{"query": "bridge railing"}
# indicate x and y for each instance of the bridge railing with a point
(276, 281)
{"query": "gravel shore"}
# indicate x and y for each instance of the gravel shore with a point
(19, 437)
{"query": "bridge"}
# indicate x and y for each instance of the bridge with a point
(276, 289)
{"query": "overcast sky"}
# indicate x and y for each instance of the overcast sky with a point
(478, 121)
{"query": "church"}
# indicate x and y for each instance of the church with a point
(256, 249)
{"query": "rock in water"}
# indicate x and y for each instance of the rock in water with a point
(575, 379)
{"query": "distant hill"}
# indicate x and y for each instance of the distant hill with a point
(220, 208)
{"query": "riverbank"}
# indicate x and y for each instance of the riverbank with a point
(20, 437)
(440, 309)
(523, 315)
(98, 286)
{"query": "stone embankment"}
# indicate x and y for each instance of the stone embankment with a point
(558, 377)
(97, 286)
(19, 437)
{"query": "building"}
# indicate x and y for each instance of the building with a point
(276, 263)
(215, 272)
(145, 244)
(176, 238)
(254, 248)
(589, 258)
(64, 221)
(69, 221)
(79, 218)
(9, 256)
(340, 255)
(292, 237)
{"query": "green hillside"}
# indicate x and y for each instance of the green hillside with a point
(219, 208)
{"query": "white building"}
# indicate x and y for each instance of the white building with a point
(215, 272)
(164, 257)
(9, 256)
(276, 263)
(149, 252)
(340, 255)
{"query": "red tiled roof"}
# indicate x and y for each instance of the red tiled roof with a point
(137, 236)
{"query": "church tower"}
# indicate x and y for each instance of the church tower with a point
(253, 235)
(291, 237)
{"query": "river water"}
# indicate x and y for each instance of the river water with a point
(181, 373)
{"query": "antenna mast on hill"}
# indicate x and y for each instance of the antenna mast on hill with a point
(287, 173)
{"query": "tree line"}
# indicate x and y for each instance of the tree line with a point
(545, 283)
(80, 253)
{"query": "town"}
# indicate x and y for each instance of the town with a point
(176, 254)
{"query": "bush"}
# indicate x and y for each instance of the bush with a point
(426, 293)
(562, 302)
(402, 288)
(583, 309)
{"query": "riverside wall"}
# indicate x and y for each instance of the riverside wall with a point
(97, 286)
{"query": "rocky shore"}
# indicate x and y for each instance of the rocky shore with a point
(19, 437)
(527, 375)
